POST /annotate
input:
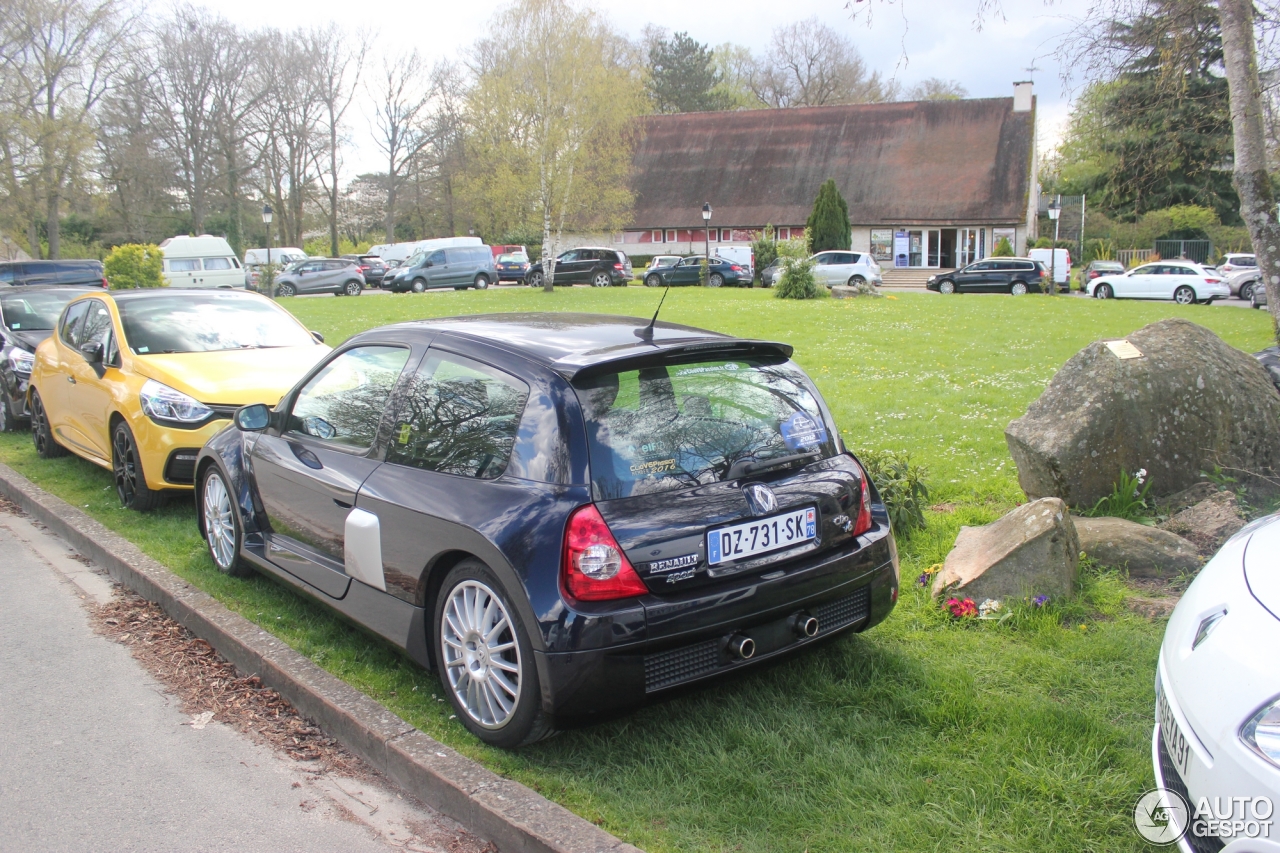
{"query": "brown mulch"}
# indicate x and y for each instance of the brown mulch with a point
(205, 681)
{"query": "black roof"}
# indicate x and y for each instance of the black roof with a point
(575, 345)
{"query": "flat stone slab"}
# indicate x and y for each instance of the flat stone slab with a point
(1145, 552)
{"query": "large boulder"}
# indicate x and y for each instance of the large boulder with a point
(1188, 403)
(1031, 551)
(1209, 523)
(1146, 552)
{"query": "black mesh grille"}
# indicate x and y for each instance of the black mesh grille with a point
(678, 665)
(837, 614)
(181, 466)
(1173, 782)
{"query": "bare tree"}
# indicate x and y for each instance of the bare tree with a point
(402, 97)
(238, 90)
(937, 89)
(811, 65)
(338, 63)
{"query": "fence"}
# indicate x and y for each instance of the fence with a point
(1191, 250)
(1130, 257)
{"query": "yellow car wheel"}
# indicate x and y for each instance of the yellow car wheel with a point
(126, 464)
(41, 432)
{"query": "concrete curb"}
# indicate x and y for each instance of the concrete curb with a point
(507, 813)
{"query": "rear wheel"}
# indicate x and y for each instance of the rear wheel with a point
(1103, 291)
(601, 279)
(126, 465)
(716, 280)
(419, 285)
(946, 287)
(857, 281)
(535, 279)
(653, 280)
(42, 432)
(221, 522)
(1184, 295)
(286, 289)
(481, 282)
(352, 288)
(1018, 288)
(485, 659)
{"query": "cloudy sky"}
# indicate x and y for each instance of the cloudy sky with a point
(907, 39)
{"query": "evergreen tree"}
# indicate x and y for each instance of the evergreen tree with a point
(683, 76)
(828, 225)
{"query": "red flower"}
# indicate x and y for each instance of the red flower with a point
(962, 609)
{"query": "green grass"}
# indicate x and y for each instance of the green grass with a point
(921, 734)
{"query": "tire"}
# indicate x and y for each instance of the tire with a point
(653, 280)
(534, 279)
(716, 280)
(220, 522)
(1246, 291)
(8, 423)
(352, 288)
(463, 651)
(131, 483)
(601, 279)
(419, 285)
(946, 287)
(1103, 291)
(481, 282)
(47, 446)
(1018, 288)
(856, 281)
(286, 290)
(1184, 295)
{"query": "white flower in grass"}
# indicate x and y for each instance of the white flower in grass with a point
(988, 607)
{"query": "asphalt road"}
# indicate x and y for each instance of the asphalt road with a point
(94, 756)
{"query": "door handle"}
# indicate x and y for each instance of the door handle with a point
(342, 504)
(306, 457)
(71, 379)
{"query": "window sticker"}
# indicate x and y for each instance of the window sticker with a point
(707, 368)
(800, 430)
(406, 431)
(657, 466)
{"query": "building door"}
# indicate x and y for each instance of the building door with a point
(934, 248)
(915, 254)
(947, 248)
(966, 246)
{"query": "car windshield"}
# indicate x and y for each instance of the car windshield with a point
(663, 428)
(35, 310)
(200, 322)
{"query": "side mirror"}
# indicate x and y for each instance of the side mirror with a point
(426, 264)
(253, 418)
(319, 337)
(92, 352)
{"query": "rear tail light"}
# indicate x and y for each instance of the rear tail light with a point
(863, 522)
(1214, 280)
(736, 268)
(593, 567)
(106, 285)
(617, 266)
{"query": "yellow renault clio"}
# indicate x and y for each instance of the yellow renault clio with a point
(136, 381)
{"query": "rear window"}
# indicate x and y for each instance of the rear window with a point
(664, 428)
(35, 310)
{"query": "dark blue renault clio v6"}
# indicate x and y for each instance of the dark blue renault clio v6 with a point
(562, 514)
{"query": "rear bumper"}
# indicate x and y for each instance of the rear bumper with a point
(688, 640)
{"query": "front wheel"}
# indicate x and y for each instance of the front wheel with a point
(286, 289)
(352, 288)
(221, 523)
(42, 431)
(653, 280)
(602, 279)
(1103, 291)
(480, 283)
(946, 287)
(1017, 289)
(716, 280)
(535, 279)
(1184, 295)
(486, 661)
(126, 465)
(419, 285)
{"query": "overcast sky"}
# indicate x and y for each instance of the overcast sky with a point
(907, 39)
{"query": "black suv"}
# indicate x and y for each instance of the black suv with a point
(597, 267)
(27, 317)
(562, 514)
(994, 275)
(372, 267)
(25, 273)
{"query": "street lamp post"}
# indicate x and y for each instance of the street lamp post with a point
(266, 220)
(706, 234)
(1055, 211)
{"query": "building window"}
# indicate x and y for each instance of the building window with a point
(657, 236)
(998, 234)
(671, 236)
(882, 244)
(784, 233)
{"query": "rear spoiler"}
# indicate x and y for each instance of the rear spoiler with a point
(634, 356)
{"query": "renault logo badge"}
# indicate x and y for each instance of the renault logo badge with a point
(760, 498)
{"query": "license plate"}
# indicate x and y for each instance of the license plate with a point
(761, 536)
(1175, 742)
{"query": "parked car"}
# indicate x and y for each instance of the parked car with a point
(1258, 297)
(769, 275)
(136, 381)
(661, 261)
(599, 267)
(338, 276)
(1235, 261)
(85, 273)
(1096, 269)
(201, 262)
(1182, 281)
(1217, 717)
(720, 272)
(743, 256)
(478, 491)
(281, 256)
(994, 275)
(458, 267)
(1057, 262)
(371, 267)
(509, 249)
(511, 267)
(1242, 282)
(27, 317)
(851, 268)
(404, 251)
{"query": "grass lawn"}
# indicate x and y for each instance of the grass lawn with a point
(922, 734)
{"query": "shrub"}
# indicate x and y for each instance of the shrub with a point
(797, 281)
(1003, 249)
(1128, 499)
(828, 225)
(765, 247)
(135, 265)
(901, 486)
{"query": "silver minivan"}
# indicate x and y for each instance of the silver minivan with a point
(458, 267)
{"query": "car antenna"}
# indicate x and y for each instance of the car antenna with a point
(646, 334)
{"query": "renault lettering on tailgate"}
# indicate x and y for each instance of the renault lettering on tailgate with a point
(761, 536)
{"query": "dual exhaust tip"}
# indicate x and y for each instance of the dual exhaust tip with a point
(802, 624)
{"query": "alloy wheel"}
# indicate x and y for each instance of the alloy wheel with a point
(1184, 296)
(653, 281)
(286, 289)
(535, 279)
(419, 286)
(716, 279)
(601, 279)
(220, 528)
(124, 465)
(1018, 288)
(947, 287)
(481, 654)
(353, 288)
(1103, 291)
(1246, 292)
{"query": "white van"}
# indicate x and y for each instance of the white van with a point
(204, 261)
(280, 257)
(403, 251)
(743, 256)
(1057, 260)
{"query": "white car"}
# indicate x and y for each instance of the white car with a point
(1236, 261)
(663, 261)
(851, 268)
(1217, 732)
(1182, 281)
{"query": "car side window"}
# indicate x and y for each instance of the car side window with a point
(6, 275)
(71, 320)
(96, 327)
(567, 256)
(184, 265)
(344, 402)
(436, 258)
(217, 263)
(456, 416)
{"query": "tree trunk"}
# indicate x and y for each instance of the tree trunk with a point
(1253, 183)
(333, 183)
(391, 210)
(53, 228)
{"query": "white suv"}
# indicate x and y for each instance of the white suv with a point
(851, 268)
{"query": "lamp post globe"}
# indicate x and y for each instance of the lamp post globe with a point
(1055, 212)
(266, 220)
